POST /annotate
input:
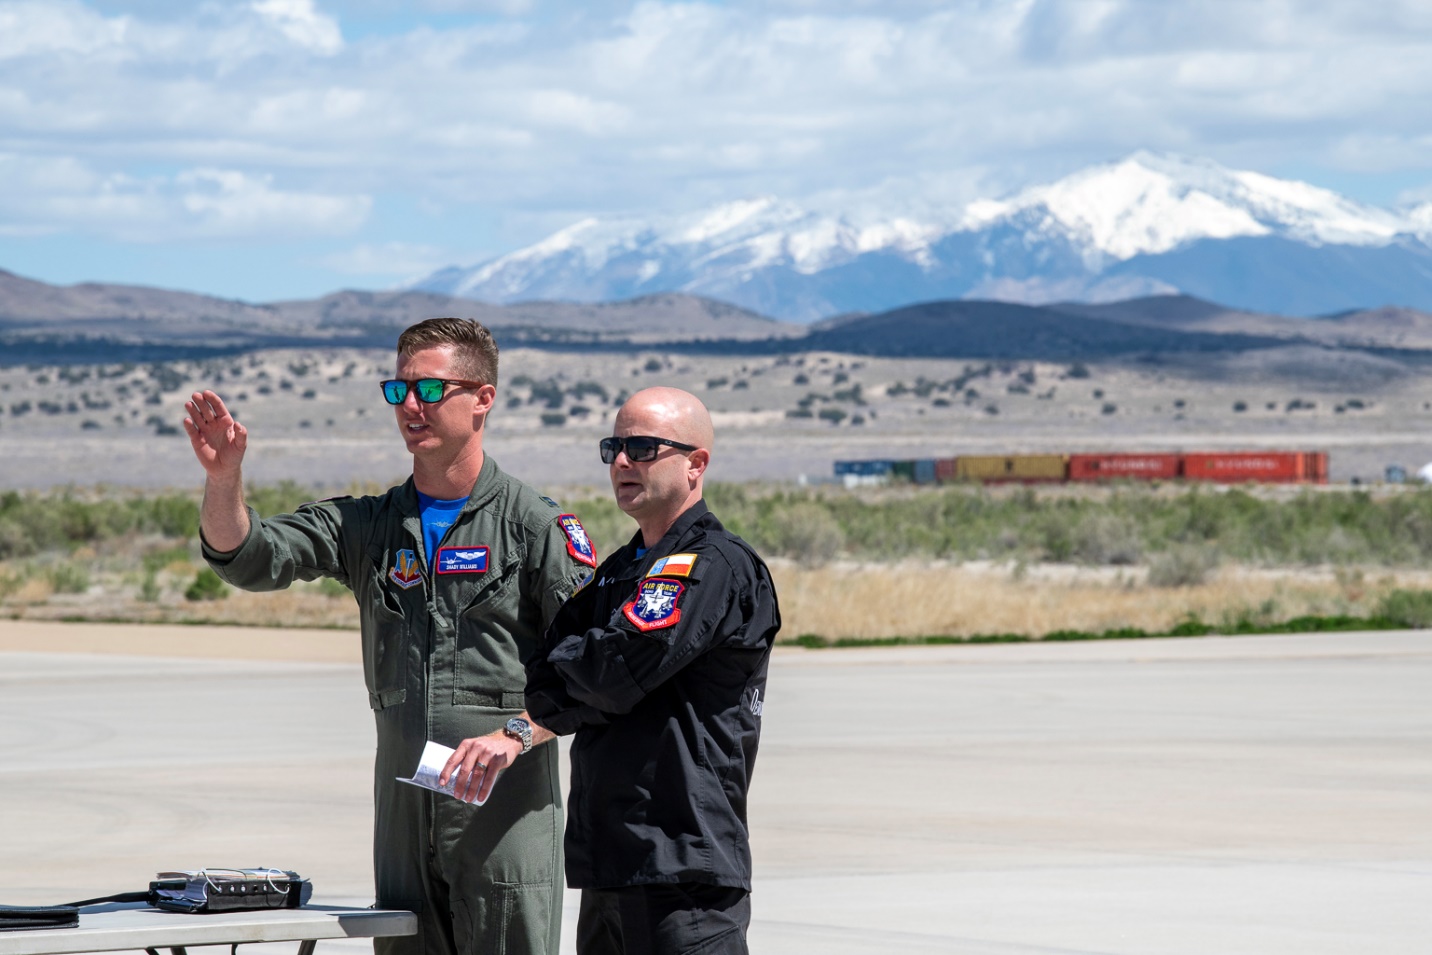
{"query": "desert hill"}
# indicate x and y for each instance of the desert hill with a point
(95, 322)
(978, 329)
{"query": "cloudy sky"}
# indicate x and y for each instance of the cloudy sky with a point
(286, 148)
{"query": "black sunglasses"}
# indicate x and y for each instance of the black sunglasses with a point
(429, 390)
(638, 447)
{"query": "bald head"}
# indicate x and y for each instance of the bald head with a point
(659, 490)
(675, 414)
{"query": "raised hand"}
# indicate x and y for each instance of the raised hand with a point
(219, 441)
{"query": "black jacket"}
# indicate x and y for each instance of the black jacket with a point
(659, 667)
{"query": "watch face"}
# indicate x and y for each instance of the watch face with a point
(521, 730)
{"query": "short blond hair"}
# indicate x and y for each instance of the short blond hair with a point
(474, 350)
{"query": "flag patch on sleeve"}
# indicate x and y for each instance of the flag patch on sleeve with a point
(654, 605)
(462, 560)
(579, 545)
(677, 565)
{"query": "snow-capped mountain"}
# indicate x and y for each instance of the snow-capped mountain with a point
(1148, 224)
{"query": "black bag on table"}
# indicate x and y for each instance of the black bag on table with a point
(15, 918)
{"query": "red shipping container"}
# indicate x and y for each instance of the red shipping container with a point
(1123, 467)
(944, 470)
(1230, 467)
(1315, 467)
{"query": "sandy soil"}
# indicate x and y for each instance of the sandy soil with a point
(154, 640)
(316, 417)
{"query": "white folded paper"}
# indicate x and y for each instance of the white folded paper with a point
(430, 767)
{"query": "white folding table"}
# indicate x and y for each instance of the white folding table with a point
(141, 927)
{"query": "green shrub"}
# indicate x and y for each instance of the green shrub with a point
(1186, 565)
(206, 586)
(281, 498)
(332, 588)
(69, 578)
(960, 522)
(1105, 538)
(158, 560)
(11, 580)
(149, 587)
(807, 532)
(1410, 608)
(15, 540)
(1191, 626)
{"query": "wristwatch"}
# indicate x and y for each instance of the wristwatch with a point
(521, 730)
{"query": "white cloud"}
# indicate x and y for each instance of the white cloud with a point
(228, 203)
(400, 260)
(38, 28)
(39, 196)
(670, 106)
(302, 23)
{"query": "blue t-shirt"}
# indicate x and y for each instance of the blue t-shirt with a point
(438, 515)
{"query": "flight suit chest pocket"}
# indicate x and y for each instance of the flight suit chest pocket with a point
(493, 631)
(385, 642)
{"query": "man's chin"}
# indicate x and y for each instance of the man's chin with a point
(415, 440)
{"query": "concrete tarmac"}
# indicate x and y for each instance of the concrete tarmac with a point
(1259, 795)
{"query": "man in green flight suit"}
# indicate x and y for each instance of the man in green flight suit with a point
(457, 573)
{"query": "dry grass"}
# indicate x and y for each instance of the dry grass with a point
(853, 600)
(837, 600)
(121, 598)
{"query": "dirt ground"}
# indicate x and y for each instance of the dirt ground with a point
(317, 417)
(158, 640)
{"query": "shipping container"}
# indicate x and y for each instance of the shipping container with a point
(1124, 467)
(1222, 467)
(878, 468)
(1270, 467)
(1015, 467)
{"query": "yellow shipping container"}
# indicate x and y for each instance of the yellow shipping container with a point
(1013, 467)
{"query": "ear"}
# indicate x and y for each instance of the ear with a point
(696, 464)
(486, 398)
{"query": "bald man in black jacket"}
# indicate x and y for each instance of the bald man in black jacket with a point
(658, 665)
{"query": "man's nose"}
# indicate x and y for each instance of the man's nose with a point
(411, 402)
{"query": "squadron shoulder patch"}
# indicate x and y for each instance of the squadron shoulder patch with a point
(462, 560)
(579, 545)
(405, 572)
(677, 565)
(654, 605)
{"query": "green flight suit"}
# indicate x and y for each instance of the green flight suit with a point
(443, 657)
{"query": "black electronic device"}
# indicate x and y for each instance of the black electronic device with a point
(229, 890)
